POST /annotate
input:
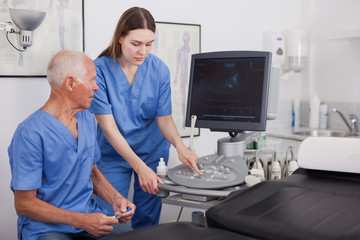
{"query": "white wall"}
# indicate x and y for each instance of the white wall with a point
(225, 25)
(19, 98)
(335, 71)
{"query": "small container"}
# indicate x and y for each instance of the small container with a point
(314, 112)
(296, 114)
(161, 169)
(198, 217)
(324, 113)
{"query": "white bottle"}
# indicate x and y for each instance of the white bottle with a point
(161, 169)
(296, 114)
(314, 112)
(292, 167)
(275, 170)
(323, 122)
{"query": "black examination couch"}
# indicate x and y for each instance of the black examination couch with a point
(309, 204)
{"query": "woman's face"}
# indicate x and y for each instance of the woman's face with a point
(136, 45)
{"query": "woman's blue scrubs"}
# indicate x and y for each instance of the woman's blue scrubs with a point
(134, 109)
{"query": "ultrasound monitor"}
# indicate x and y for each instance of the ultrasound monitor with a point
(228, 91)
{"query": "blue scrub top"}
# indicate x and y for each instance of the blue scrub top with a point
(134, 109)
(45, 155)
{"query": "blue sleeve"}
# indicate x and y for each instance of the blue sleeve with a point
(100, 104)
(97, 154)
(164, 104)
(26, 159)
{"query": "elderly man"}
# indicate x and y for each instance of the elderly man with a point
(53, 157)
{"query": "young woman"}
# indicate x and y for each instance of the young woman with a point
(133, 109)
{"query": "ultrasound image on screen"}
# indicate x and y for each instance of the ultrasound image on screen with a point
(228, 89)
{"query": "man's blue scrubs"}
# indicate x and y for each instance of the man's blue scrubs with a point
(135, 109)
(45, 155)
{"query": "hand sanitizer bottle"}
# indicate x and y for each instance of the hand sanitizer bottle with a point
(161, 169)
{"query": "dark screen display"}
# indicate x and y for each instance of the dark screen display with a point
(228, 89)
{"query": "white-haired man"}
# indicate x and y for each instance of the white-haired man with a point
(53, 157)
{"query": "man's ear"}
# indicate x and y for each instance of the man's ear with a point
(70, 83)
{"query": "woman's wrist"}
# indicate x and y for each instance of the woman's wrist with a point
(138, 166)
(180, 147)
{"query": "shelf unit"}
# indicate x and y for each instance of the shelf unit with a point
(344, 34)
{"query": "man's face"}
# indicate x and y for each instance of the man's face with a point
(84, 90)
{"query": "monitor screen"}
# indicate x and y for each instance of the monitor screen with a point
(228, 91)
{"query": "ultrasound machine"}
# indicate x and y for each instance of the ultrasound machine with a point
(228, 92)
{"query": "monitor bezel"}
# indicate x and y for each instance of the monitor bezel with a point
(226, 126)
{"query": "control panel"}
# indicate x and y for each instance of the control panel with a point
(217, 171)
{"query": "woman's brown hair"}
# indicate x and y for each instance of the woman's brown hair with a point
(133, 18)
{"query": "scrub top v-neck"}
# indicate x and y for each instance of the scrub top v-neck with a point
(46, 156)
(134, 108)
(132, 92)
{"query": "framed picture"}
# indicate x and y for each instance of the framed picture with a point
(62, 28)
(174, 44)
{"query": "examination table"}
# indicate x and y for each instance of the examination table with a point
(320, 200)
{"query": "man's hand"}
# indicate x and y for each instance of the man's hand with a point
(98, 224)
(27, 204)
(122, 206)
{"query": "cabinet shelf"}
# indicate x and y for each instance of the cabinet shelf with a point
(344, 34)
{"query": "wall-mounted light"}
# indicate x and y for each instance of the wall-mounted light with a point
(27, 21)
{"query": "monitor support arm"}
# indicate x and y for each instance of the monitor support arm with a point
(235, 145)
